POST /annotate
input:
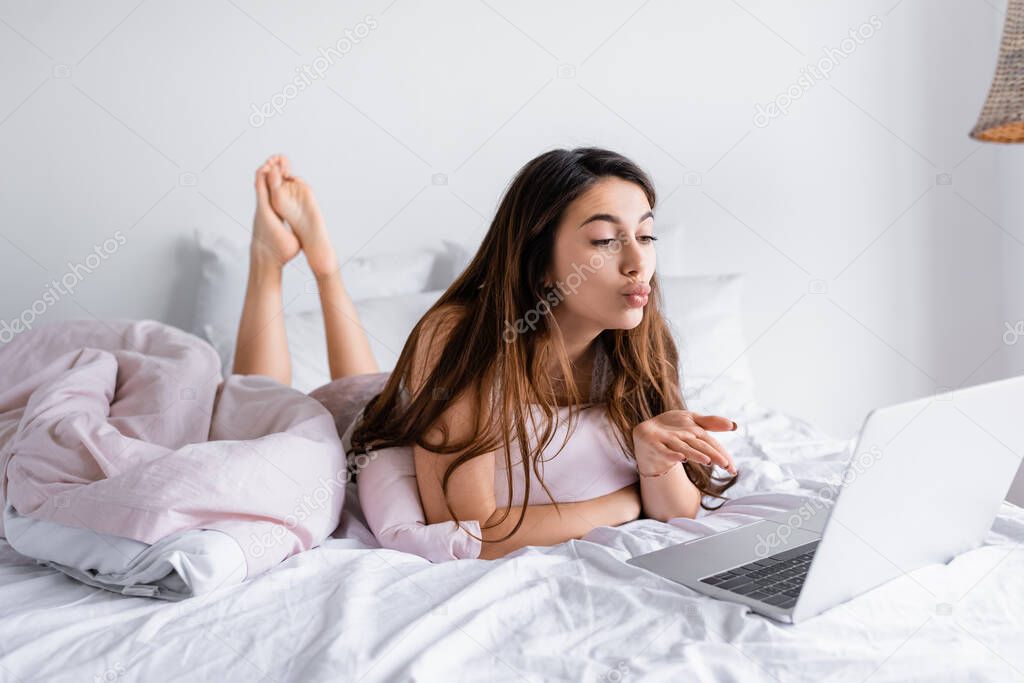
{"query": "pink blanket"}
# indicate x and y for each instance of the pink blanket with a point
(127, 428)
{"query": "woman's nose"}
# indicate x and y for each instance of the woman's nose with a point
(634, 261)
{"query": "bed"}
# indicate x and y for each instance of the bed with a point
(350, 610)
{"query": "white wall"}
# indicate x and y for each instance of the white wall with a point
(869, 283)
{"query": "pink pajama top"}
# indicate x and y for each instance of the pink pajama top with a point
(590, 465)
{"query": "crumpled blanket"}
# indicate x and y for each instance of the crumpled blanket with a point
(126, 430)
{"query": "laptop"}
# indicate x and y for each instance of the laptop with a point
(923, 484)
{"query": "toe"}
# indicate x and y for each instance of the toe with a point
(274, 177)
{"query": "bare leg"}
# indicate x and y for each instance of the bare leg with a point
(261, 347)
(348, 348)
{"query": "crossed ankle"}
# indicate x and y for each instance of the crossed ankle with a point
(321, 259)
(263, 260)
(322, 274)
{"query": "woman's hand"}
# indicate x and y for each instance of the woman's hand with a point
(680, 435)
(544, 525)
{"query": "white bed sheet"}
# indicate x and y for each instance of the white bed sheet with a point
(350, 611)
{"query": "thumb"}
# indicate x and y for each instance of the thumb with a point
(715, 423)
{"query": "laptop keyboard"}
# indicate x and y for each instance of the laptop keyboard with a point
(775, 580)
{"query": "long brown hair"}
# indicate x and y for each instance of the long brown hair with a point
(503, 283)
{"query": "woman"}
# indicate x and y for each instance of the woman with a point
(562, 283)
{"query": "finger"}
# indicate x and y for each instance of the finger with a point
(672, 455)
(699, 443)
(686, 453)
(727, 463)
(715, 423)
(721, 459)
(721, 449)
(694, 455)
(712, 442)
(707, 454)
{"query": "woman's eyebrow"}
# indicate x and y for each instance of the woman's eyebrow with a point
(613, 219)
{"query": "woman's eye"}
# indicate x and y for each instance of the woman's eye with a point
(651, 239)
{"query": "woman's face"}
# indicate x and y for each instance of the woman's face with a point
(603, 247)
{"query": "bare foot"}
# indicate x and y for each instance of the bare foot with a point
(273, 242)
(292, 198)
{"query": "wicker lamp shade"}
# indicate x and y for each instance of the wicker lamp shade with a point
(1002, 117)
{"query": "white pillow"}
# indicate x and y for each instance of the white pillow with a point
(224, 269)
(387, 321)
(705, 315)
